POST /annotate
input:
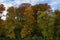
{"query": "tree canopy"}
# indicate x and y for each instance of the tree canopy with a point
(30, 22)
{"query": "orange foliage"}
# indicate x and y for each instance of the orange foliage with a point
(2, 8)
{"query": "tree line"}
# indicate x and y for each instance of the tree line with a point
(30, 22)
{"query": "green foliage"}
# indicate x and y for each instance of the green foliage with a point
(29, 22)
(57, 24)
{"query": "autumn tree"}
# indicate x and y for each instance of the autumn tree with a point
(29, 21)
(41, 7)
(13, 24)
(39, 10)
(21, 9)
(10, 23)
(36, 22)
(2, 8)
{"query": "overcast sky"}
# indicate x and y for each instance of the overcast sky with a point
(55, 4)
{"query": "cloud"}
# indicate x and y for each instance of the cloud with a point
(2, 1)
(3, 18)
(55, 4)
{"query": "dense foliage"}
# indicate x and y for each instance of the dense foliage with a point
(29, 22)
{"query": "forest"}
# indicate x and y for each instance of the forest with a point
(30, 22)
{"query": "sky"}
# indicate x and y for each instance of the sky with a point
(55, 4)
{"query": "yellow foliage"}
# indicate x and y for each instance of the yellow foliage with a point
(28, 9)
(42, 14)
(11, 35)
(25, 31)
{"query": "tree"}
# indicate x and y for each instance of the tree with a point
(29, 20)
(13, 25)
(21, 8)
(46, 24)
(2, 8)
(2, 24)
(10, 23)
(37, 9)
(57, 24)
(25, 5)
(41, 7)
